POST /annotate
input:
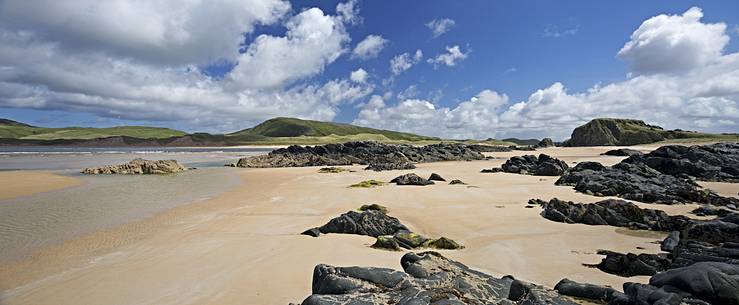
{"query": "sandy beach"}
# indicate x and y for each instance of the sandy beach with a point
(243, 246)
(21, 183)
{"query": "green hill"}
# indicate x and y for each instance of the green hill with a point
(624, 132)
(278, 129)
(10, 129)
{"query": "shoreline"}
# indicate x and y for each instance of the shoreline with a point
(20, 183)
(244, 244)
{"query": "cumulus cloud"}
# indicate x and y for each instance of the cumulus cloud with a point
(674, 43)
(440, 26)
(452, 56)
(701, 97)
(405, 61)
(97, 68)
(358, 76)
(369, 47)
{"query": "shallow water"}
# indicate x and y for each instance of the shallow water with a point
(102, 202)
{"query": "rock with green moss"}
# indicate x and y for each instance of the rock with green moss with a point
(409, 240)
(369, 183)
(386, 242)
(333, 170)
(373, 207)
(457, 181)
(443, 243)
(623, 132)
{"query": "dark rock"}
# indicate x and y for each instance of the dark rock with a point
(373, 207)
(409, 240)
(489, 148)
(429, 278)
(622, 152)
(713, 282)
(390, 166)
(386, 242)
(636, 181)
(631, 264)
(457, 181)
(544, 143)
(612, 212)
(370, 222)
(410, 179)
(670, 242)
(710, 211)
(715, 162)
(315, 232)
(586, 291)
(544, 165)
(436, 177)
(365, 152)
(491, 170)
(444, 243)
(622, 132)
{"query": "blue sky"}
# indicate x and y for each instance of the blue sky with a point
(513, 49)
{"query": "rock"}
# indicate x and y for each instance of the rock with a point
(621, 132)
(444, 243)
(363, 152)
(409, 240)
(332, 170)
(386, 242)
(491, 170)
(713, 282)
(369, 222)
(710, 211)
(622, 152)
(618, 213)
(373, 207)
(410, 179)
(670, 242)
(631, 264)
(314, 232)
(586, 291)
(390, 166)
(436, 177)
(457, 181)
(489, 148)
(544, 143)
(138, 167)
(715, 162)
(369, 183)
(544, 165)
(428, 278)
(634, 180)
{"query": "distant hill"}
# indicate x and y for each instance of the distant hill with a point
(624, 132)
(10, 129)
(291, 128)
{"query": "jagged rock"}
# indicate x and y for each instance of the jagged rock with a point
(435, 177)
(378, 167)
(586, 291)
(715, 162)
(670, 242)
(443, 243)
(713, 282)
(622, 152)
(544, 165)
(410, 179)
(631, 264)
(491, 170)
(544, 143)
(457, 181)
(363, 152)
(373, 207)
(370, 222)
(636, 181)
(710, 211)
(429, 278)
(138, 167)
(612, 212)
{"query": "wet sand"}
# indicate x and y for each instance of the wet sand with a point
(244, 247)
(15, 184)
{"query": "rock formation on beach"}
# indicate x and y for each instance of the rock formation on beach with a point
(623, 132)
(544, 143)
(138, 167)
(411, 179)
(662, 176)
(427, 278)
(365, 152)
(543, 165)
(622, 152)
(378, 167)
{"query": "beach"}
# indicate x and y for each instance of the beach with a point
(243, 245)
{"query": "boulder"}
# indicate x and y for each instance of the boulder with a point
(435, 177)
(544, 143)
(613, 212)
(543, 165)
(631, 264)
(390, 166)
(586, 291)
(369, 222)
(373, 207)
(715, 162)
(491, 170)
(622, 152)
(138, 167)
(713, 282)
(457, 181)
(670, 242)
(410, 179)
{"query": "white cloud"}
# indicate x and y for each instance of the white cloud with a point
(453, 56)
(358, 76)
(702, 97)
(348, 12)
(674, 43)
(408, 93)
(553, 31)
(369, 47)
(45, 67)
(440, 26)
(405, 61)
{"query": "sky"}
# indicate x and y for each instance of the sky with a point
(454, 69)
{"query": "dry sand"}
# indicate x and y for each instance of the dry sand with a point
(15, 184)
(244, 247)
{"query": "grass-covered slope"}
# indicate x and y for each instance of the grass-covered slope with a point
(608, 131)
(274, 130)
(15, 130)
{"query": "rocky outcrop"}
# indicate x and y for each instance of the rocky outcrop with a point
(631, 264)
(544, 143)
(544, 165)
(489, 148)
(585, 291)
(378, 167)
(410, 179)
(622, 152)
(138, 167)
(613, 212)
(621, 132)
(435, 177)
(365, 152)
(427, 278)
(716, 162)
(635, 180)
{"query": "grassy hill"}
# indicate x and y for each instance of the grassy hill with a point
(16, 130)
(623, 132)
